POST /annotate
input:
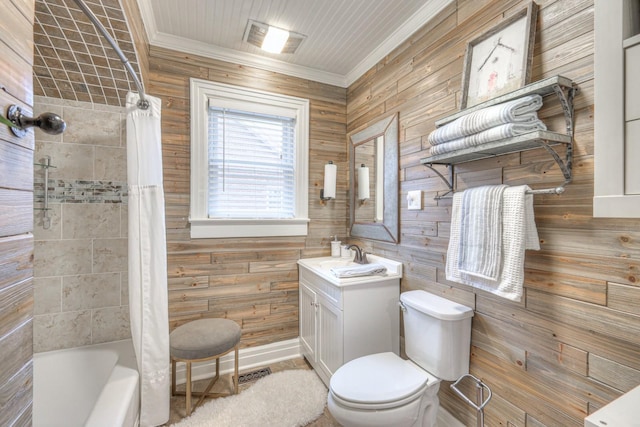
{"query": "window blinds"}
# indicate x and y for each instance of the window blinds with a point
(251, 165)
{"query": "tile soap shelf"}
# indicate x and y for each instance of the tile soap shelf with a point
(563, 88)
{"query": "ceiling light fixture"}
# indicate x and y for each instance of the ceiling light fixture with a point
(260, 34)
(275, 40)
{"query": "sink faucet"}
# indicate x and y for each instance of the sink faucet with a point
(361, 256)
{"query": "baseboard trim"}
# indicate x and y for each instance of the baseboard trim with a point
(249, 358)
(445, 419)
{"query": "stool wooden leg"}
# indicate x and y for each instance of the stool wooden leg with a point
(235, 372)
(188, 392)
(173, 377)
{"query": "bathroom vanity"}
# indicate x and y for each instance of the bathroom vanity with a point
(345, 318)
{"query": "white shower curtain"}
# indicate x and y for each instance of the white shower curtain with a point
(148, 303)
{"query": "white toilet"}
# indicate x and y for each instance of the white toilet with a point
(385, 390)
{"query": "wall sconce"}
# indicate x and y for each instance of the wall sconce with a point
(329, 190)
(19, 123)
(363, 183)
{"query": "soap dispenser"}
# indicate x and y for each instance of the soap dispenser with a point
(335, 247)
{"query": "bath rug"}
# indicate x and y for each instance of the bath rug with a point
(284, 399)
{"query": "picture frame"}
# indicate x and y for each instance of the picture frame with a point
(499, 61)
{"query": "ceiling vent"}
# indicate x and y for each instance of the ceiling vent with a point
(256, 32)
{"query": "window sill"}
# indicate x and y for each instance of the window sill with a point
(218, 228)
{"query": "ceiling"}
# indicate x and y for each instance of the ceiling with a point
(344, 39)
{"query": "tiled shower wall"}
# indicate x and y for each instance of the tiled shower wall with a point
(80, 261)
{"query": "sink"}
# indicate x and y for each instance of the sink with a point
(322, 266)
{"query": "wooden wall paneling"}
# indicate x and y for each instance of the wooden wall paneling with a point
(16, 211)
(530, 393)
(16, 350)
(16, 217)
(618, 376)
(16, 263)
(544, 328)
(581, 298)
(16, 165)
(252, 281)
(16, 305)
(17, 77)
(139, 36)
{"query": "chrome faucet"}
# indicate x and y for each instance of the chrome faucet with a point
(361, 256)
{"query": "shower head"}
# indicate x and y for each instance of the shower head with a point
(48, 122)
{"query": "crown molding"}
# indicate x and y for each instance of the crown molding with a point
(247, 59)
(430, 9)
(415, 22)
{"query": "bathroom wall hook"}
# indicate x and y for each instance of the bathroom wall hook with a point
(48, 122)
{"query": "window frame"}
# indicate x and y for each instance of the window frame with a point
(247, 99)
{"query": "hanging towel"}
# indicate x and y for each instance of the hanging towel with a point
(359, 270)
(521, 110)
(518, 234)
(480, 251)
(496, 133)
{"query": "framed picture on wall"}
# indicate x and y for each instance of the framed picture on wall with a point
(499, 61)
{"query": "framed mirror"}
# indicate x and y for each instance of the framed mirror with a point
(373, 168)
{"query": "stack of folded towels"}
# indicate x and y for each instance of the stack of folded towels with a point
(501, 121)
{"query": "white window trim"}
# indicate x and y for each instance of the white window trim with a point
(229, 96)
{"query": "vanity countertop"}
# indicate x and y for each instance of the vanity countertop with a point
(322, 267)
(621, 412)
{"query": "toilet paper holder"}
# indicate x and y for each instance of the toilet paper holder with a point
(480, 389)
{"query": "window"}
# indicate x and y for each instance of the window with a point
(249, 162)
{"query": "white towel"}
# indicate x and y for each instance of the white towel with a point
(518, 234)
(521, 110)
(359, 270)
(480, 250)
(496, 133)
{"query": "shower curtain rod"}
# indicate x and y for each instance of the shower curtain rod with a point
(142, 103)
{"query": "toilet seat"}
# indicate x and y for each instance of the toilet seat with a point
(379, 381)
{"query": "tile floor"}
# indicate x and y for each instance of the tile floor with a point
(178, 402)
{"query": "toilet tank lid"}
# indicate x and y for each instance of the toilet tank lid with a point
(435, 306)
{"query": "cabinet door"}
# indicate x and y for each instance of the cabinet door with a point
(308, 332)
(330, 337)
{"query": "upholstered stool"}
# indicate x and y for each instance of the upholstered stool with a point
(199, 341)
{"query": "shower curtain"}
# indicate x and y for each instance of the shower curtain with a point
(148, 303)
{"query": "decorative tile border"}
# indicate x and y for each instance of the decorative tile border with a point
(80, 191)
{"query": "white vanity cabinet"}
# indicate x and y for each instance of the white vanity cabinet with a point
(342, 319)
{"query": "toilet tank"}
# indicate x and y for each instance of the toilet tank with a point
(437, 334)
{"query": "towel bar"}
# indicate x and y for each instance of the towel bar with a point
(554, 190)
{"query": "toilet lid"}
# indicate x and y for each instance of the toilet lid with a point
(378, 378)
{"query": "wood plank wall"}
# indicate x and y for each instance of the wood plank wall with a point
(252, 281)
(573, 344)
(16, 217)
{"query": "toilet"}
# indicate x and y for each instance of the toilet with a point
(384, 390)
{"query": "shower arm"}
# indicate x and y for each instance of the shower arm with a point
(143, 103)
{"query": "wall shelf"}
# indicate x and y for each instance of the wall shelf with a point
(563, 88)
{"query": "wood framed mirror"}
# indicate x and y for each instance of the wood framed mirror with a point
(374, 150)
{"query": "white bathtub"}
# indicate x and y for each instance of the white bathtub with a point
(86, 386)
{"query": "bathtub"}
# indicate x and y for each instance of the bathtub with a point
(88, 386)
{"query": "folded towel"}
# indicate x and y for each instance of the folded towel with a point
(521, 110)
(480, 251)
(518, 234)
(496, 133)
(359, 270)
